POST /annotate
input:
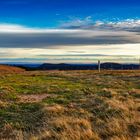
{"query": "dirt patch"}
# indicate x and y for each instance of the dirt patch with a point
(33, 98)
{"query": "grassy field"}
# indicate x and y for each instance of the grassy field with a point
(70, 105)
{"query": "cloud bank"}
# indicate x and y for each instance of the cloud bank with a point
(17, 36)
(77, 40)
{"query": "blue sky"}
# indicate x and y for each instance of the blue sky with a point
(51, 13)
(69, 30)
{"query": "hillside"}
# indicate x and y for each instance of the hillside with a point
(6, 68)
(70, 105)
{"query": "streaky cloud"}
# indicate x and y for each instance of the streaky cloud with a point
(17, 36)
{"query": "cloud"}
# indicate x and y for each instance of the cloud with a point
(75, 23)
(17, 36)
(127, 25)
(4, 28)
(132, 25)
(68, 45)
(16, 28)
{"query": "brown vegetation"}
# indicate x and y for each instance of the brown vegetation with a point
(6, 68)
(79, 105)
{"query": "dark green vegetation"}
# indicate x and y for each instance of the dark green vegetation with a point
(70, 105)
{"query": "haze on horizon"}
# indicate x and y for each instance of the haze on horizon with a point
(69, 31)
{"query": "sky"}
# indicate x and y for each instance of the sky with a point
(69, 31)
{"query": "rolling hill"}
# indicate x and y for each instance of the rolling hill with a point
(7, 68)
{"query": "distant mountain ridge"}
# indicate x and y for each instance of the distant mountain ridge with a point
(107, 66)
(65, 66)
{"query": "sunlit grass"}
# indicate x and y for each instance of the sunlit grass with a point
(73, 105)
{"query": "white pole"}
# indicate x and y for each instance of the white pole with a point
(139, 63)
(99, 65)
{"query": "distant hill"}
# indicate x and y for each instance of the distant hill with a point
(63, 66)
(107, 66)
(7, 68)
(117, 66)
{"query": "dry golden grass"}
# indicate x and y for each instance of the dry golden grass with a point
(70, 105)
(10, 69)
(68, 128)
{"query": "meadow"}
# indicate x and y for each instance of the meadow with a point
(70, 105)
